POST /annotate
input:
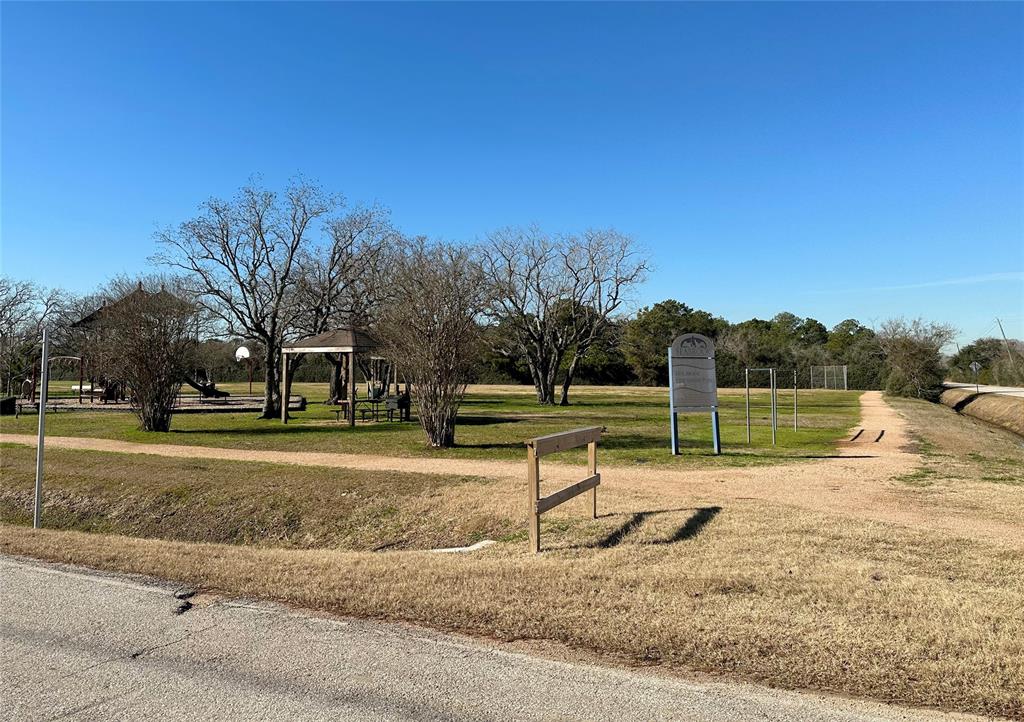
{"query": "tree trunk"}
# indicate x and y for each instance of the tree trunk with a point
(271, 395)
(544, 370)
(339, 384)
(567, 382)
(294, 362)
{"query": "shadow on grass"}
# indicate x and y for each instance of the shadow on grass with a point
(486, 420)
(493, 445)
(693, 526)
(298, 427)
(833, 456)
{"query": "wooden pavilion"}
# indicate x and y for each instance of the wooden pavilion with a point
(349, 344)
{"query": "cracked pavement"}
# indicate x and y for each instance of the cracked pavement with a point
(79, 644)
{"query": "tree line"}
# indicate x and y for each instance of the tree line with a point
(522, 305)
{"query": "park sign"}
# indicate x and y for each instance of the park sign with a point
(692, 382)
(691, 373)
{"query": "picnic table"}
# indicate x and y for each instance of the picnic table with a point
(371, 408)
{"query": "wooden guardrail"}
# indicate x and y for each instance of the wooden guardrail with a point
(550, 444)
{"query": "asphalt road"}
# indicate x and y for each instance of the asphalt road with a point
(984, 389)
(78, 644)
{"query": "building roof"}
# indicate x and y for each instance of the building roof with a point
(342, 340)
(162, 296)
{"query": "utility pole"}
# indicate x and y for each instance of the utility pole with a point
(1006, 343)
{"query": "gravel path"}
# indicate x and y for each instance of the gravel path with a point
(857, 481)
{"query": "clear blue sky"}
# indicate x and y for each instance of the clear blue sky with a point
(833, 160)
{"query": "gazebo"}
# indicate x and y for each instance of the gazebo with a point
(93, 343)
(349, 342)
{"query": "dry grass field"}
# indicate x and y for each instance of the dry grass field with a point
(890, 569)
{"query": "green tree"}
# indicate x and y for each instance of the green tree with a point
(646, 338)
(855, 345)
(997, 367)
(913, 356)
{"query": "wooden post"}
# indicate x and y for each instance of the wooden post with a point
(592, 466)
(352, 388)
(533, 484)
(284, 388)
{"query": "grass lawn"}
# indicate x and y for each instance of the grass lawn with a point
(495, 420)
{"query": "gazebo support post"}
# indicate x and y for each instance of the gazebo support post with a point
(284, 387)
(352, 389)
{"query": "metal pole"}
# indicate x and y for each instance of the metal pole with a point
(775, 396)
(771, 377)
(795, 408)
(716, 434)
(845, 387)
(37, 510)
(746, 383)
(673, 417)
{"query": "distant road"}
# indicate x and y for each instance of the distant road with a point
(998, 390)
(98, 646)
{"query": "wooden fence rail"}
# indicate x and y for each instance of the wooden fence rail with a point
(550, 444)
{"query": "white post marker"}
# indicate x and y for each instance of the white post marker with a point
(37, 510)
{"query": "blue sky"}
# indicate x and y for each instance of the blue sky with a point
(833, 160)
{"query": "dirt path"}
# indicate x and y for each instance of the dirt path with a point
(857, 481)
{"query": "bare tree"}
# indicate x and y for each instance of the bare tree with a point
(25, 308)
(429, 324)
(342, 283)
(913, 356)
(240, 257)
(552, 296)
(153, 334)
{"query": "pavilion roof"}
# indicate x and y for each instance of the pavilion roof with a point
(162, 296)
(341, 340)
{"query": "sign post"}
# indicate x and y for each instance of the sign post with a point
(976, 368)
(37, 507)
(692, 383)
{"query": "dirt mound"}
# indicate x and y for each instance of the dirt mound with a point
(1006, 412)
